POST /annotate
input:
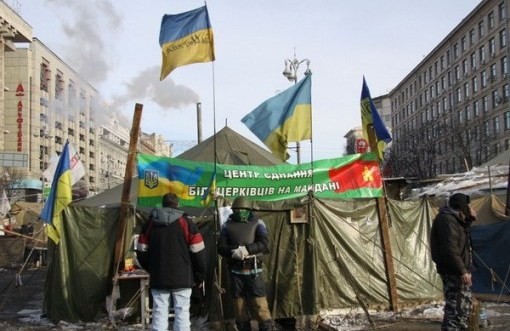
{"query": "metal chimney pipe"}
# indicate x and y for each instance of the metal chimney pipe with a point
(199, 122)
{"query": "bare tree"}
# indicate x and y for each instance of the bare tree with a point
(11, 180)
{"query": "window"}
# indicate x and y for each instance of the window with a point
(490, 20)
(474, 83)
(495, 99)
(467, 113)
(457, 72)
(476, 108)
(481, 30)
(473, 61)
(472, 37)
(492, 47)
(481, 54)
(493, 72)
(463, 44)
(507, 120)
(495, 125)
(506, 93)
(442, 62)
(466, 90)
(485, 104)
(502, 11)
(459, 94)
(455, 50)
(502, 38)
(465, 67)
(484, 78)
(504, 66)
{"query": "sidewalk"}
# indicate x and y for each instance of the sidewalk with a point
(21, 309)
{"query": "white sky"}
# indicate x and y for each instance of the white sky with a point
(114, 44)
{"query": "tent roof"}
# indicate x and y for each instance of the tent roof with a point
(231, 148)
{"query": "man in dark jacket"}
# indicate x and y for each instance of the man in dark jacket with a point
(176, 261)
(242, 242)
(450, 245)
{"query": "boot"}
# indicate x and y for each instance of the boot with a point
(243, 325)
(268, 325)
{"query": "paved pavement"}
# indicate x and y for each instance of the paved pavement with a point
(21, 300)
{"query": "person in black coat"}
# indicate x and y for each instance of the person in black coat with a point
(450, 245)
(242, 243)
(175, 257)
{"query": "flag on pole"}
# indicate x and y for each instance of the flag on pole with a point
(370, 117)
(284, 118)
(60, 196)
(186, 38)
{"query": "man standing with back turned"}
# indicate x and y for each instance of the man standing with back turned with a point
(450, 245)
(176, 261)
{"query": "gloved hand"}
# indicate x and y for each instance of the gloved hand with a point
(240, 253)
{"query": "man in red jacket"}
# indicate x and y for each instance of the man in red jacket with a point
(175, 260)
(450, 245)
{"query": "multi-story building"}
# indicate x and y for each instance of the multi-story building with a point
(452, 111)
(44, 102)
(47, 104)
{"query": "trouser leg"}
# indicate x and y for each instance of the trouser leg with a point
(458, 301)
(160, 303)
(181, 309)
(241, 314)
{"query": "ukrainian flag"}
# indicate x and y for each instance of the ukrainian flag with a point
(60, 196)
(284, 118)
(186, 38)
(370, 118)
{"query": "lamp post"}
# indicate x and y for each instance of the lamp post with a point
(291, 73)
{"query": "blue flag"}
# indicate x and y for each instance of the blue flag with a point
(284, 118)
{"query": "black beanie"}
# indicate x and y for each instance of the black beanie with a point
(459, 201)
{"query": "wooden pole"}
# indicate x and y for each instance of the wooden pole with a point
(126, 188)
(385, 232)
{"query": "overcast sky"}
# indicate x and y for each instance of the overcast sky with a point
(115, 46)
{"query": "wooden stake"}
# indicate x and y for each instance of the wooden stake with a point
(385, 232)
(126, 188)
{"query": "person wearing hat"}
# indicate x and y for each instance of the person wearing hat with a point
(242, 242)
(450, 245)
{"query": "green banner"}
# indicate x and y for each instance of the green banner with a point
(352, 176)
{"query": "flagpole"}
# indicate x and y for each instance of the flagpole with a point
(290, 72)
(385, 232)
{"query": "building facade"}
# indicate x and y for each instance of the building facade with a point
(44, 102)
(452, 111)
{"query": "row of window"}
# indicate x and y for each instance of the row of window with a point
(445, 60)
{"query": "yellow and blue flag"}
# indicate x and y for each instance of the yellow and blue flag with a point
(60, 196)
(370, 117)
(284, 118)
(186, 38)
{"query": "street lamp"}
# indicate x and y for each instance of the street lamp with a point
(290, 72)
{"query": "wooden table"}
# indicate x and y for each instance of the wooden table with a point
(143, 278)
